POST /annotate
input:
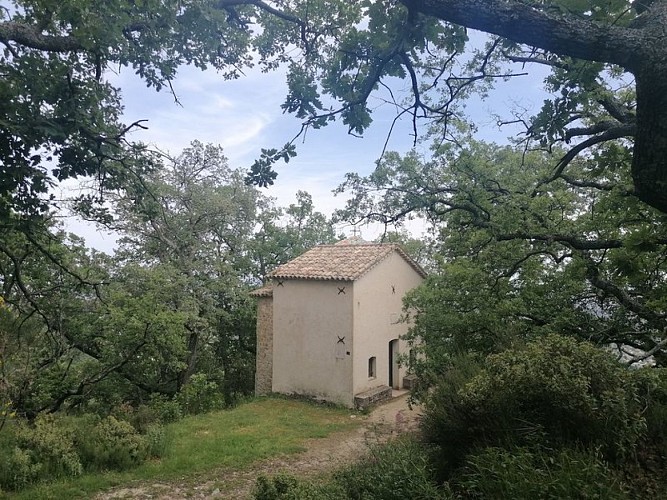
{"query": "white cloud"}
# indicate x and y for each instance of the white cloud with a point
(209, 109)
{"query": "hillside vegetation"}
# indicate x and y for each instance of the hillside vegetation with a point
(191, 449)
(555, 419)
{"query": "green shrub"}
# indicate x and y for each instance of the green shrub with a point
(445, 420)
(50, 443)
(280, 486)
(200, 395)
(556, 391)
(523, 473)
(7, 412)
(159, 410)
(60, 446)
(648, 476)
(287, 487)
(652, 385)
(396, 470)
(30, 453)
(111, 444)
(105, 396)
(17, 469)
(166, 410)
(156, 441)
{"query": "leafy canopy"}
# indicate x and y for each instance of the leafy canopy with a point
(516, 258)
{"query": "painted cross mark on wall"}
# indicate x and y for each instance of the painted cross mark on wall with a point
(340, 348)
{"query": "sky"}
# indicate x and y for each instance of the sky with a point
(244, 116)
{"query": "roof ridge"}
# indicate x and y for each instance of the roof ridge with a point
(341, 262)
(366, 244)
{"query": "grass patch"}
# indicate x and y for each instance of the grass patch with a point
(230, 439)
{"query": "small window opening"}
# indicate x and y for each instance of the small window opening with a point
(371, 367)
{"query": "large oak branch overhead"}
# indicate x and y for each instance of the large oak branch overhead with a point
(640, 48)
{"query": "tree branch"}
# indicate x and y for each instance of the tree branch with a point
(658, 347)
(619, 132)
(594, 277)
(556, 32)
(569, 241)
(596, 185)
(597, 128)
(31, 36)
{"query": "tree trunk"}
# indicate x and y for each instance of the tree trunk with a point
(191, 357)
(649, 163)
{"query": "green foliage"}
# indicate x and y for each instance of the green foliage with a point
(445, 421)
(337, 55)
(419, 249)
(203, 241)
(652, 388)
(555, 391)
(529, 473)
(646, 476)
(287, 487)
(303, 99)
(57, 447)
(6, 411)
(161, 409)
(37, 452)
(287, 233)
(51, 445)
(157, 441)
(276, 487)
(396, 470)
(261, 172)
(230, 440)
(158, 411)
(136, 429)
(450, 319)
(200, 395)
(17, 469)
(556, 418)
(517, 257)
(87, 331)
(112, 444)
(68, 124)
(6, 408)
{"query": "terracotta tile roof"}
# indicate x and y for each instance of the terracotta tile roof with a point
(265, 291)
(344, 261)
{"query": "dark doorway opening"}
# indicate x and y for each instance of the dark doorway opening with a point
(393, 364)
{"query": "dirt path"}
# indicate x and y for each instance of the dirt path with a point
(321, 456)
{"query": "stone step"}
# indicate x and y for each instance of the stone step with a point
(365, 399)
